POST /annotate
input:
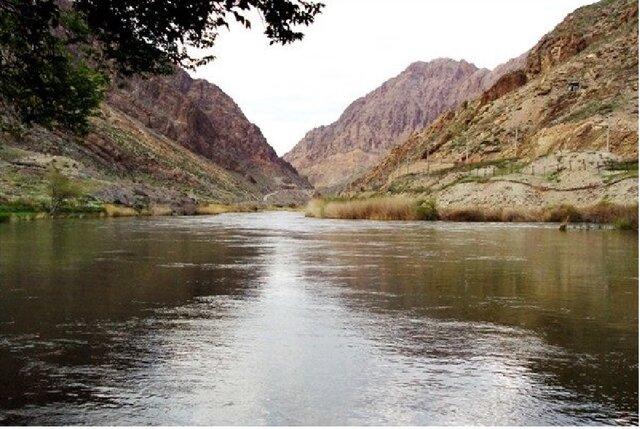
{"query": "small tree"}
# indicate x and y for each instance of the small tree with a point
(61, 189)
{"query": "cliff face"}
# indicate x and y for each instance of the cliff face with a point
(201, 117)
(559, 128)
(331, 155)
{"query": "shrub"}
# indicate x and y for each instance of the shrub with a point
(513, 215)
(467, 214)
(20, 206)
(626, 224)
(402, 208)
(384, 208)
(629, 165)
(395, 208)
(212, 209)
(159, 210)
(61, 190)
(113, 210)
(427, 210)
(605, 212)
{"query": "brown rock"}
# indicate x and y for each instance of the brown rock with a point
(332, 155)
(556, 106)
(507, 83)
(201, 117)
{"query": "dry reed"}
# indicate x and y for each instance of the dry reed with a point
(403, 208)
(114, 210)
(393, 208)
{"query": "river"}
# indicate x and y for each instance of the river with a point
(273, 318)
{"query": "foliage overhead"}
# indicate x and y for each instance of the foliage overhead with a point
(56, 55)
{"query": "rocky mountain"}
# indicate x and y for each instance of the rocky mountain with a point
(332, 155)
(563, 128)
(201, 117)
(170, 140)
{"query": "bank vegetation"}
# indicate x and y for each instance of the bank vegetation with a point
(405, 208)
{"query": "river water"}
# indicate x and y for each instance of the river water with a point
(272, 318)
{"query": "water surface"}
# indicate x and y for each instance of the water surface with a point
(272, 318)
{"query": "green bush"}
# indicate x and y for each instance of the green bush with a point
(20, 206)
(614, 165)
(427, 209)
(625, 224)
(62, 190)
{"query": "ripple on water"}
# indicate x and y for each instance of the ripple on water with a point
(273, 318)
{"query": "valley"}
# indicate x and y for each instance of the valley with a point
(555, 126)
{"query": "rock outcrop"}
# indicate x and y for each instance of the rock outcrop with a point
(332, 155)
(507, 83)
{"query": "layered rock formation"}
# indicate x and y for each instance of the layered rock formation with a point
(564, 128)
(332, 155)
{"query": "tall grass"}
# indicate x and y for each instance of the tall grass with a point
(114, 210)
(391, 208)
(403, 208)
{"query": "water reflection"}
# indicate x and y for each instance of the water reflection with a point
(276, 319)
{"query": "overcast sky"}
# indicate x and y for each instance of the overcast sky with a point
(355, 45)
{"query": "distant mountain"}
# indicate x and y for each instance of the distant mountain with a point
(332, 155)
(562, 129)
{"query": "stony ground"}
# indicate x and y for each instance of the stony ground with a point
(120, 162)
(576, 178)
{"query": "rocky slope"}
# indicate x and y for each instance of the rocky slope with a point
(167, 140)
(200, 116)
(564, 128)
(332, 155)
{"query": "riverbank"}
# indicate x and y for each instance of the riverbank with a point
(35, 183)
(405, 208)
(20, 211)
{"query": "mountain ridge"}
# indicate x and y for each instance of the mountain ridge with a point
(204, 119)
(372, 124)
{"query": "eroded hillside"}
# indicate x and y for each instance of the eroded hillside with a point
(167, 140)
(332, 155)
(201, 117)
(564, 128)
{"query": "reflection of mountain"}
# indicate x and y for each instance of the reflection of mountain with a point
(82, 309)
